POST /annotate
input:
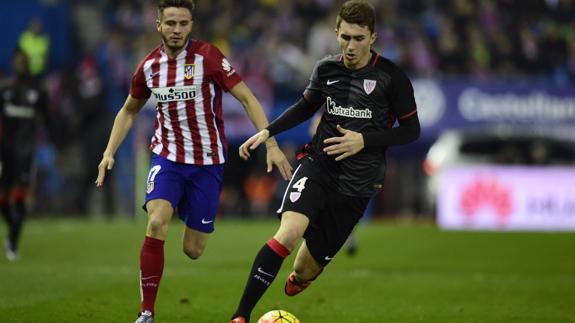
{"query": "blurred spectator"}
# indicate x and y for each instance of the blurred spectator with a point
(36, 45)
(93, 128)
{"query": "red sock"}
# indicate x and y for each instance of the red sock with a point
(151, 268)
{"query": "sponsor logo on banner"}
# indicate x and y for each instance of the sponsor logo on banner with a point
(294, 196)
(189, 71)
(369, 86)
(507, 198)
(486, 193)
(477, 105)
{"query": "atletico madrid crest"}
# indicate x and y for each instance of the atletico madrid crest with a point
(189, 71)
(369, 86)
(149, 187)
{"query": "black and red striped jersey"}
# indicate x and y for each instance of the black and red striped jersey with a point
(189, 127)
(367, 101)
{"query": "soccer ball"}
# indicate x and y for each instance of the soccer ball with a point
(278, 316)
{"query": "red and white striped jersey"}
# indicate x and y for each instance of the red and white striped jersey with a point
(189, 127)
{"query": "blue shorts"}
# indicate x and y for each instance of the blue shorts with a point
(193, 190)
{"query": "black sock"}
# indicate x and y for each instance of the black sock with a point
(266, 266)
(18, 215)
(5, 210)
(7, 215)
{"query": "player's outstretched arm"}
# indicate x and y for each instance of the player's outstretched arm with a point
(256, 114)
(122, 124)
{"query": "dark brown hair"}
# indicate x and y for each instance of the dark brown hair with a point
(163, 4)
(357, 12)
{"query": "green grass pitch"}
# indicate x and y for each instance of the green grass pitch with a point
(87, 271)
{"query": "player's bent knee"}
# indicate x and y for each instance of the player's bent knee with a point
(292, 228)
(193, 252)
(288, 238)
(157, 227)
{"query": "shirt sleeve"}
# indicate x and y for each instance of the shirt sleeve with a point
(294, 115)
(404, 107)
(402, 98)
(312, 92)
(221, 70)
(138, 88)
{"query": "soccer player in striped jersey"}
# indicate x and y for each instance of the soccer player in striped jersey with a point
(186, 76)
(364, 94)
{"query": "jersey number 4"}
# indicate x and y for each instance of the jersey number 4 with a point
(300, 184)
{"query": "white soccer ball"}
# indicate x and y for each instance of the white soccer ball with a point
(278, 316)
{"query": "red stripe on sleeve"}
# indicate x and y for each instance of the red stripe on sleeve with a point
(409, 114)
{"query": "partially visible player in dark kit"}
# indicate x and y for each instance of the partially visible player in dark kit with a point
(22, 102)
(364, 94)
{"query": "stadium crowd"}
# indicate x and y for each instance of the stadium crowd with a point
(477, 38)
(273, 44)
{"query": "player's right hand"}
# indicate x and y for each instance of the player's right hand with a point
(253, 142)
(106, 164)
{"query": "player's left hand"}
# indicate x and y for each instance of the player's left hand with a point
(106, 164)
(347, 145)
(252, 143)
(276, 157)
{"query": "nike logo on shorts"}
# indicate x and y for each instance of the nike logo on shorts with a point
(204, 221)
(330, 82)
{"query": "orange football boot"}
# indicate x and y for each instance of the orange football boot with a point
(294, 287)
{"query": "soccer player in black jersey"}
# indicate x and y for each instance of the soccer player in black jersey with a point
(363, 94)
(22, 101)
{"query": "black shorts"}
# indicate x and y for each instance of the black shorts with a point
(15, 171)
(332, 215)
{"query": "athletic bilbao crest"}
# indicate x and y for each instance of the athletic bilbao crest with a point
(368, 86)
(294, 196)
(189, 70)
